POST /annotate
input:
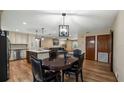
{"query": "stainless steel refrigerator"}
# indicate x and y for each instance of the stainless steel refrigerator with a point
(4, 56)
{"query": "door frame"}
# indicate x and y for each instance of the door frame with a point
(112, 50)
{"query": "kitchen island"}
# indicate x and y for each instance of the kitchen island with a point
(42, 54)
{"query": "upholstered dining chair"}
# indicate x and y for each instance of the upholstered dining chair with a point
(76, 52)
(52, 54)
(76, 69)
(39, 73)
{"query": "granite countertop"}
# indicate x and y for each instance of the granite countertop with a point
(17, 49)
(39, 51)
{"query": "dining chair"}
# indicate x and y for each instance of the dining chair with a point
(76, 69)
(39, 73)
(76, 52)
(52, 54)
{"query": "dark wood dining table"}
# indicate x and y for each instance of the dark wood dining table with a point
(59, 64)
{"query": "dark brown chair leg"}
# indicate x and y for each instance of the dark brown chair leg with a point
(62, 76)
(59, 77)
(81, 76)
(76, 77)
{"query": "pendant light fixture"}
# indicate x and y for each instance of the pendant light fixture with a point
(63, 29)
(42, 37)
(36, 35)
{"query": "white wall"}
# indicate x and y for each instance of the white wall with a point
(82, 36)
(118, 59)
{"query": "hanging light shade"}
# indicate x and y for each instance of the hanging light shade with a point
(36, 35)
(42, 37)
(39, 36)
(63, 29)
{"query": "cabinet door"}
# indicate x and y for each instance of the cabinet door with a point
(11, 55)
(18, 38)
(14, 55)
(23, 54)
(43, 56)
(12, 37)
(21, 38)
(24, 38)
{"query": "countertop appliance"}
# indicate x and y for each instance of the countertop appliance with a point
(4, 56)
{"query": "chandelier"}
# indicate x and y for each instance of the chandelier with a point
(63, 29)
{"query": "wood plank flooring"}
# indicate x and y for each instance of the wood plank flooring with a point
(98, 72)
(20, 71)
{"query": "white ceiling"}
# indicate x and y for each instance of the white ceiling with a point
(79, 21)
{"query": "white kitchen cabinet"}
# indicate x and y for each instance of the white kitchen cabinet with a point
(18, 38)
(12, 37)
(24, 38)
(13, 55)
(21, 38)
(23, 53)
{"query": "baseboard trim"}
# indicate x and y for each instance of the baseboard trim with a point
(115, 77)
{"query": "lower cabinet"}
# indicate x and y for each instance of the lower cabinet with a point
(18, 54)
(39, 55)
(23, 53)
(43, 56)
(13, 55)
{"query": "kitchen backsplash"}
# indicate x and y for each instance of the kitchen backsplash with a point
(18, 46)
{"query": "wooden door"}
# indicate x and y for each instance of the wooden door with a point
(90, 47)
(104, 45)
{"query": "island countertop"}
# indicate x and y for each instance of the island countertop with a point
(40, 54)
(39, 51)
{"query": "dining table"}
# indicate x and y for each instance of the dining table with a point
(59, 64)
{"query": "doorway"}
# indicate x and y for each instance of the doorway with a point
(90, 47)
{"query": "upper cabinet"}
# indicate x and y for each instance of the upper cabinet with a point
(12, 37)
(21, 38)
(18, 38)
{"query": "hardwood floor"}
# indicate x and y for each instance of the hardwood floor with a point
(98, 72)
(20, 71)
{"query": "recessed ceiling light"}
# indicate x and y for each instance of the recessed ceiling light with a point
(69, 35)
(17, 30)
(24, 23)
(42, 38)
